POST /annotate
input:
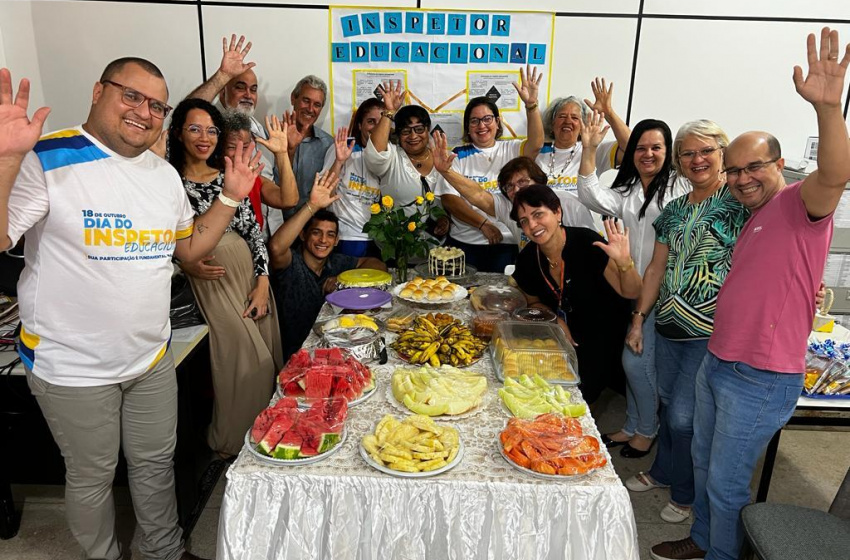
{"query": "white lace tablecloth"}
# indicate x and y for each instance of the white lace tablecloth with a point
(342, 509)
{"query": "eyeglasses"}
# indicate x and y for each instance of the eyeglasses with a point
(750, 169)
(475, 121)
(415, 129)
(705, 152)
(196, 130)
(518, 184)
(133, 98)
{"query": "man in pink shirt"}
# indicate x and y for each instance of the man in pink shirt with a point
(749, 382)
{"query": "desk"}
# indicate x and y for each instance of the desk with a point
(810, 414)
(23, 426)
(341, 508)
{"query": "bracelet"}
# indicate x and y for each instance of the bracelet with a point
(227, 201)
(389, 114)
(309, 208)
(482, 224)
(628, 267)
(532, 107)
(641, 313)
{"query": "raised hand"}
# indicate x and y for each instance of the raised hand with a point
(293, 135)
(240, 172)
(322, 194)
(343, 145)
(393, 95)
(529, 85)
(233, 56)
(18, 134)
(604, 94)
(278, 141)
(617, 247)
(825, 82)
(594, 131)
(442, 156)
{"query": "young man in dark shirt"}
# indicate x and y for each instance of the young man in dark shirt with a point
(304, 275)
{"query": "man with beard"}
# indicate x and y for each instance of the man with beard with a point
(304, 274)
(235, 84)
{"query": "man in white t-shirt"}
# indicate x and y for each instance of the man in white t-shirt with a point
(103, 217)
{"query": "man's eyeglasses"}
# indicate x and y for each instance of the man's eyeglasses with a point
(475, 121)
(691, 154)
(133, 98)
(196, 130)
(415, 129)
(750, 169)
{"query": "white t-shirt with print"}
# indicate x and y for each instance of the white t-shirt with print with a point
(482, 165)
(100, 233)
(358, 189)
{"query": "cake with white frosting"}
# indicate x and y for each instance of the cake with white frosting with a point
(446, 261)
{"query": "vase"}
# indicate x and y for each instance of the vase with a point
(401, 268)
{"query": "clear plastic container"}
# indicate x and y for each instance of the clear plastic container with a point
(401, 318)
(535, 315)
(497, 298)
(484, 323)
(523, 348)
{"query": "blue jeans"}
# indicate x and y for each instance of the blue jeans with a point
(677, 363)
(738, 410)
(641, 389)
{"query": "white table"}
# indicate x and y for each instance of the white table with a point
(342, 509)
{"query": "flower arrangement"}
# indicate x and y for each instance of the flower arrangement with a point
(400, 231)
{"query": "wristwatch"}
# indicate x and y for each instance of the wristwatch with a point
(628, 266)
(389, 114)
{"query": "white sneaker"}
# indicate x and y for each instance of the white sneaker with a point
(671, 513)
(641, 482)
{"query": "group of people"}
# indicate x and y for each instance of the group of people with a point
(670, 288)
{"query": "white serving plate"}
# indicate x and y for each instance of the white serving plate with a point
(459, 294)
(401, 474)
(252, 449)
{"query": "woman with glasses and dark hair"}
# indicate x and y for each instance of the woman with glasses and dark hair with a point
(231, 286)
(358, 188)
(635, 194)
(694, 238)
(516, 175)
(489, 245)
(406, 170)
(575, 273)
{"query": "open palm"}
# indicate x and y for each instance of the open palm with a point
(825, 81)
(233, 56)
(18, 134)
(278, 141)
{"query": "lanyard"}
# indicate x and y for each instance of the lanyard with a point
(559, 291)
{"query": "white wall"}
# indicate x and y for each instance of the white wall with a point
(726, 60)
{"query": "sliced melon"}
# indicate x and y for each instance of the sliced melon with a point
(425, 409)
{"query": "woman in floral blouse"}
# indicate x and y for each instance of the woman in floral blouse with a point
(231, 285)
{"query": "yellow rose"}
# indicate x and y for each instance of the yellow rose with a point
(419, 200)
(429, 197)
(375, 208)
(387, 201)
(411, 226)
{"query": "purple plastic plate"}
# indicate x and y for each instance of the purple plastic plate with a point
(359, 298)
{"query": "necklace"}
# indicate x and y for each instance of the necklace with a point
(557, 260)
(418, 163)
(552, 173)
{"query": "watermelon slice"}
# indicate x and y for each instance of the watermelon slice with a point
(289, 447)
(328, 441)
(335, 412)
(262, 424)
(300, 359)
(279, 427)
(285, 403)
(317, 384)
